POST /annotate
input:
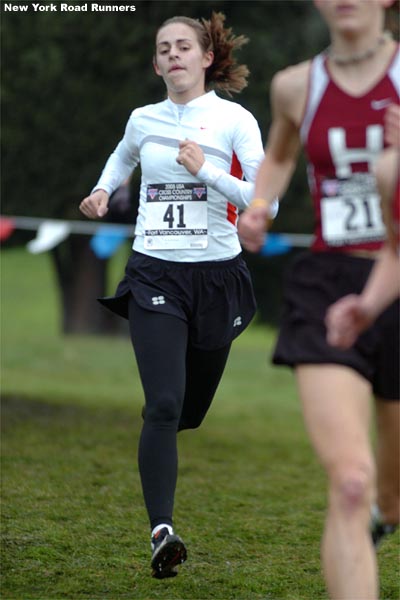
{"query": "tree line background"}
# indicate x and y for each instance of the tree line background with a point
(70, 81)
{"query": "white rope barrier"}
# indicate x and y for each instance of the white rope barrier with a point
(300, 240)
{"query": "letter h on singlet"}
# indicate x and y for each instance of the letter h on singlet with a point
(343, 157)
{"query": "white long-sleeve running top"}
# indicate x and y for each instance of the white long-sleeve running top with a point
(184, 217)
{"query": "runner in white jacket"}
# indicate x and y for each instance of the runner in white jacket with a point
(186, 291)
(230, 140)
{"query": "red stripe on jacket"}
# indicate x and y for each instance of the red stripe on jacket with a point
(236, 171)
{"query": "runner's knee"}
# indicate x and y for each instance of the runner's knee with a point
(166, 410)
(352, 486)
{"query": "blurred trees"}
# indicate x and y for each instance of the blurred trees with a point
(70, 81)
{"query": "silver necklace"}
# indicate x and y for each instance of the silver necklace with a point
(359, 56)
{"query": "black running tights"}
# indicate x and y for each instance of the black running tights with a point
(179, 383)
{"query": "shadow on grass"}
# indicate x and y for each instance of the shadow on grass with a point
(17, 409)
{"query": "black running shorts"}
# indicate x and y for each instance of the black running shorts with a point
(312, 283)
(215, 298)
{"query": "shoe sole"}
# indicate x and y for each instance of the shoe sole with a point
(172, 552)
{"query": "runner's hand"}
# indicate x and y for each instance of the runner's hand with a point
(345, 320)
(95, 206)
(190, 156)
(251, 227)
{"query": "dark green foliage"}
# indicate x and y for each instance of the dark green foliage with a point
(71, 79)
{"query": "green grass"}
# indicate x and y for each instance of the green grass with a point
(250, 498)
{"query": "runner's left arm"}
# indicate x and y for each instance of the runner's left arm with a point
(248, 147)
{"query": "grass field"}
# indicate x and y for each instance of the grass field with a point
(250, 498)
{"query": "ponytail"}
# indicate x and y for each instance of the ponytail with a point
(224, 73)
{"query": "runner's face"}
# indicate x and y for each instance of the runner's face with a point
(180, 61)
(351, 16)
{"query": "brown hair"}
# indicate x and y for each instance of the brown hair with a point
(224, 74)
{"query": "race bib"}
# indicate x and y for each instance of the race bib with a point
(176, 216)
(351, 211)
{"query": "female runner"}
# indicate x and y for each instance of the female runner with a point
(335, 105)
(186, 292)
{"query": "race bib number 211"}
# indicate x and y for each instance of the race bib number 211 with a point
(352, 214)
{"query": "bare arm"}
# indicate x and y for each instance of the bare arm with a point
(347, 318)
(387, 174)
(383, 285)
(281, 154)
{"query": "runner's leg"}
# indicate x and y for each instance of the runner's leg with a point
(336, 407)
(204, 369)
(160, 342)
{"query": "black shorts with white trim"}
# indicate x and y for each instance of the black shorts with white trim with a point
(215, 298)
